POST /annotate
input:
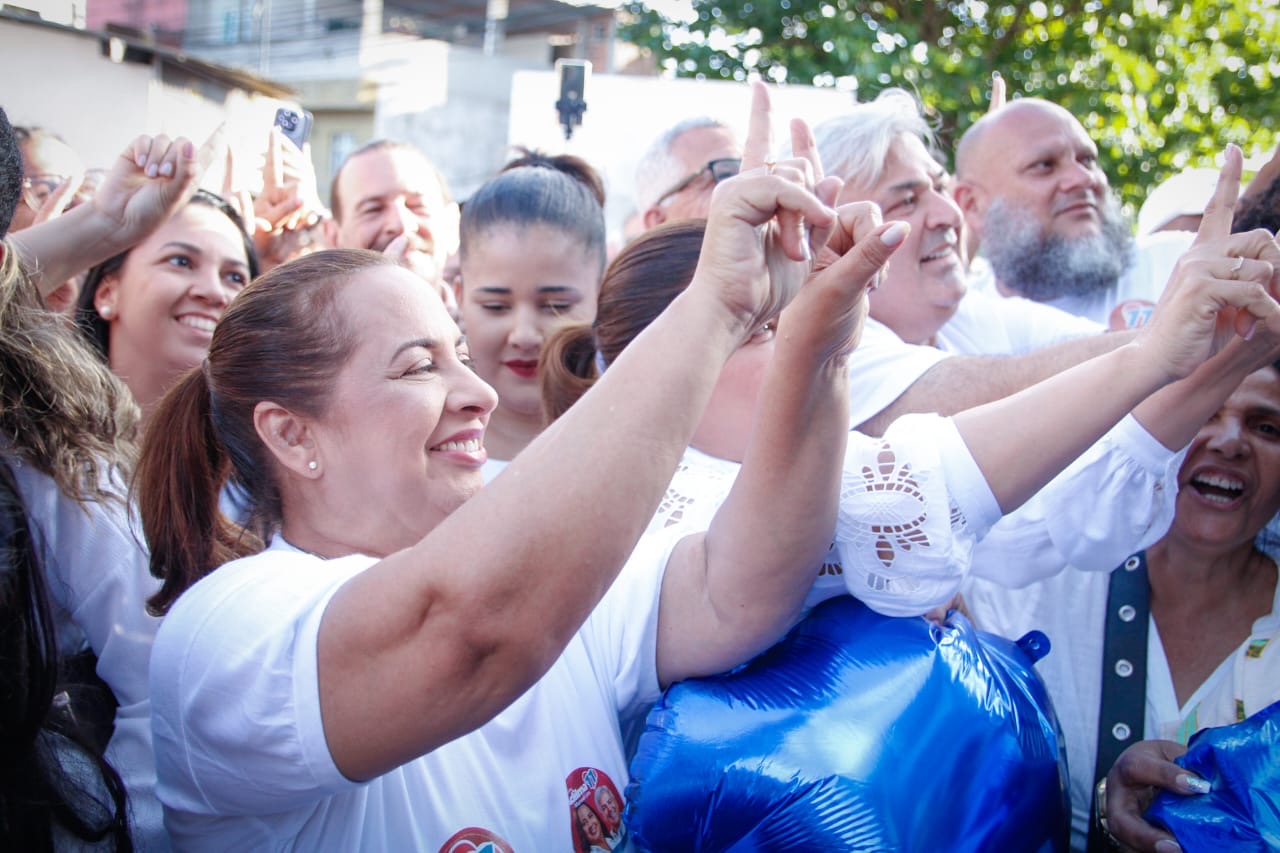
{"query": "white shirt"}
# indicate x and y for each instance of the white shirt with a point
(1071, 609)
(990, 325)
(884, 366)
(1128, 305)
(241, 749)
(99, 580)
(919, 474)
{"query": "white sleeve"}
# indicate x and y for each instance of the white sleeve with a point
(1117, 498)
(912, 506)
(881, 368)
(235, 688)
(621, 633)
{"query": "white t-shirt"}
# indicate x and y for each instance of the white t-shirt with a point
(1071, 609)
(99, 580)
(241, 749)
(990, 325)
(884, 366)
(1128, 305)
(881, 368)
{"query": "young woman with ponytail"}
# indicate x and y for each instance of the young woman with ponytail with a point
(532, 251)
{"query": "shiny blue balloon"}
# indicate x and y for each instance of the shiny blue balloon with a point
(857, 732)
(1242, 812)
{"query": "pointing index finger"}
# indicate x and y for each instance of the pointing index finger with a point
(804, 145)
(1216, 224)
(756, 150)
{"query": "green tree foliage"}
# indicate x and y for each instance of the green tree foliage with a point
(1160, 85)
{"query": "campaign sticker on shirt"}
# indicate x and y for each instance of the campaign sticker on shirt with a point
(595, 811)
(473, 839)
(1130, 314)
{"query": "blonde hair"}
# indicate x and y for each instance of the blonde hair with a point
(61, 409)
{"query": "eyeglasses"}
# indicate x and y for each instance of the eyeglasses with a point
(37, 189)
(719, 170)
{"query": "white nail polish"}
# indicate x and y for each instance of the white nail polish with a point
(895, 234)
(1195, 783)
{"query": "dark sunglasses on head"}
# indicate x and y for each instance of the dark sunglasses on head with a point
(719, 170)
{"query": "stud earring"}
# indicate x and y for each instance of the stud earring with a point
(105, 312)
(313, 465)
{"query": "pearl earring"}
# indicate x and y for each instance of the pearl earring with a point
(105, 312)
(313, 465)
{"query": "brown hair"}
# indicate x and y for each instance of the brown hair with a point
(282, 339)
(563, 193)
(638, 286)
(61, 409)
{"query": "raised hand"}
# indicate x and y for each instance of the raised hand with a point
(1221, 288)
(762, 227)
(150, 180)
(828, 314)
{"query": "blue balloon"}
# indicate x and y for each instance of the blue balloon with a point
(1242, 812)
(858, 732)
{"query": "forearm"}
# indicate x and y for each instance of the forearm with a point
(757, 561)
(1174, 414)
(963, 382)
(56, 250)
(1023, 441)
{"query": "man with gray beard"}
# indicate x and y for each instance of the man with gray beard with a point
(1030, 187)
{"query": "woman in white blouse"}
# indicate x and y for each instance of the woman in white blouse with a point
(922, 507)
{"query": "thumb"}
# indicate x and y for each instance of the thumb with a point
(862, 264)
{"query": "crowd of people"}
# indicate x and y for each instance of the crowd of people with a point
(380, 525)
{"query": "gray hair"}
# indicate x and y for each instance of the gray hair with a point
(855, 145)
(658, 170)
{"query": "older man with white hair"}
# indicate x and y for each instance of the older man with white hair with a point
(923, 308)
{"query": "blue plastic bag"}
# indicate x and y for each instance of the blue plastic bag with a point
(1242, 812)
(857, 732)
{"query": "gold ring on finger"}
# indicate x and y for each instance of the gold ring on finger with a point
(1235, 268)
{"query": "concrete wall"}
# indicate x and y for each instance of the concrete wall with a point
(99, 106)
(454, 103)
(60, 80)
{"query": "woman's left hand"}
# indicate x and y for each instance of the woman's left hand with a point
(763, 228)
(1222, 287)
(1132, 783)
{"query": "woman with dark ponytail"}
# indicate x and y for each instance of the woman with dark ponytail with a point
(532, 251)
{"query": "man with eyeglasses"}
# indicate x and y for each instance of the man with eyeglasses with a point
(675, 177)
(47, 163)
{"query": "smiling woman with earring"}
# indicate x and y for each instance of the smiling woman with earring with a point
(150, 311)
